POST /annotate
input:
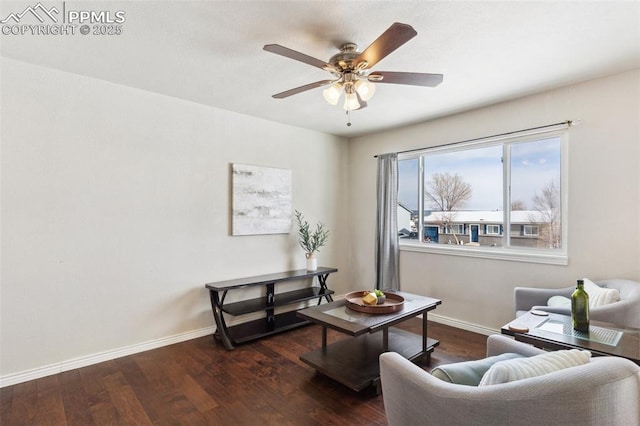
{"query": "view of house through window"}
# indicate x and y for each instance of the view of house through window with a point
(495, 194)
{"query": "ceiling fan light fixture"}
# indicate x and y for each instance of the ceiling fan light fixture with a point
(365, 89)
(332, 93)
(351, 101)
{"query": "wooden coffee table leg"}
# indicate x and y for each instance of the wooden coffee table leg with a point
(424, 332)
(378, 385)
(426, 358)
(385, 339)
(324, 337)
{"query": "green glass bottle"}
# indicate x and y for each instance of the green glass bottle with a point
(580, 308)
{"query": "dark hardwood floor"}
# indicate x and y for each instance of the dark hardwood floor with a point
(198, 382)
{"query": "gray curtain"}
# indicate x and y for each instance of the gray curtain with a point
(387, 223)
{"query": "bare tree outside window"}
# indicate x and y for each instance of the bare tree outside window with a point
(546, 203)
(447, 193)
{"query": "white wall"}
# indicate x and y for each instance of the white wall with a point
(604, 199)
(115, 213)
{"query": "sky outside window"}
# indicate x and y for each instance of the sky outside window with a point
(481, 168)
(533, 165)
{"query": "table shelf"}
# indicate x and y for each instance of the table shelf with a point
(280, 299)
(259, 328)
(354, 362)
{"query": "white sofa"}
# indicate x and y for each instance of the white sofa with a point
(605, 391)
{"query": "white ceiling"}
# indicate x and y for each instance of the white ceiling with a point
(210, 52)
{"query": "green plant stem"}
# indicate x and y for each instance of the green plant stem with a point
(310, 241)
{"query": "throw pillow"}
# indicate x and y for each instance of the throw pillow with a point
(469, 372)
(524, 368)
(599, 296)
(559, 301)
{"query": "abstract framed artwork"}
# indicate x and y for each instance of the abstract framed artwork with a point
(261, 202)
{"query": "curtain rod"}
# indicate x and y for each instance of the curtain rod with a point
(568, 123)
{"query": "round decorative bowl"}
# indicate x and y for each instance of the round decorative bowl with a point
(392, 303)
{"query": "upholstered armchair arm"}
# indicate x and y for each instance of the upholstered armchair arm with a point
(621, 312)
(625, 312)
(526, 298)
(412, 396)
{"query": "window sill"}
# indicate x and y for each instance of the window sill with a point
(496, 253)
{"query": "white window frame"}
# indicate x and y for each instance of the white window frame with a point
(530, 234)
(492, 233)
(459, 229)
(509, 253)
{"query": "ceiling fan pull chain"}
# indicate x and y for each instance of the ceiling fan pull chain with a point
(348, 118)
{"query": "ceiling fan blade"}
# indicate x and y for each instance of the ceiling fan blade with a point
(394, 37)
(301, 89)
(292, 54)
(410, 78)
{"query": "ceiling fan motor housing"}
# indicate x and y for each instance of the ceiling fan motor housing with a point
(345, 60)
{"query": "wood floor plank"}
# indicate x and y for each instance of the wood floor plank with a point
(221, 415)
(50, 406)
(6, 400)
(75, 400)
(198, 382)
(24, 404)
(125, 401)
(197, 395)
(194, 358)
(159, 393)
(102, 409)
(146, 393)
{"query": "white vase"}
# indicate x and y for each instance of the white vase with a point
(312, 263)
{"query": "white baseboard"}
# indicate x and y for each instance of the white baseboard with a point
(72, 364)
(474, 328)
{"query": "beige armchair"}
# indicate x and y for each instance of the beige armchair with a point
(606, 391)
(625, 312)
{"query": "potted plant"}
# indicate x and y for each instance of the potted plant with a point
(309, 240)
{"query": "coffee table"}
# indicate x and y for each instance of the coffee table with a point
(554, 331)
(354, 361)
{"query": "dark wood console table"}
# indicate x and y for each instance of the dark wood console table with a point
(272, 323)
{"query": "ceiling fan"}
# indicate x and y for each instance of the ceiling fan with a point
(350, 69)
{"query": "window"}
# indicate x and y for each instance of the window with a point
(499, 197)
(456, 228)
(493, 230)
